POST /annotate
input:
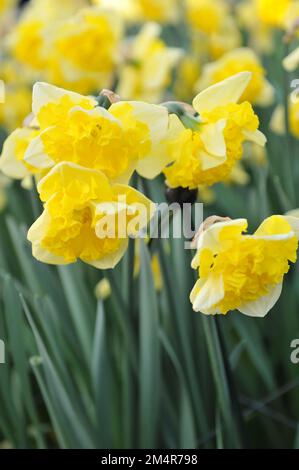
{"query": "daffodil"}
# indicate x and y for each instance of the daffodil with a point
(29, 39)
(259, 90)
(260, 35)
(273, 14)
(74, 128)
(86, 218)
(148, 70)
(206, 154)
(86, 50)
(214, 30)
(243, 272)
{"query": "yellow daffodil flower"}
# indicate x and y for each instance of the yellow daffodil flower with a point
(240, 271)
(207, 153)
(259, 91)
(86, 50)
(214, 30)
(272, 13)
(85, 217)
(150, 63)
(73, 128)
(260, 36)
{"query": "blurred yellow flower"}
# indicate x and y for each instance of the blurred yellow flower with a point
(260, 36)
(259, 91)
(155, 10)
(16, 106)
(29, 41)
(277, 123)
(86, 49)
(188, 72)
(206, 15)
(240, 271)
(291, 61)
(103, 289)
(85, 217)
(144, 10)
(12, 161)
(214, 28)
(272, 13)
(147, 72)
(207, 153)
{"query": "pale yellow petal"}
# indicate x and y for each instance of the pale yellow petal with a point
(111, 260)
(206, 295)
(159, 157)
(277, 122)
(228, 91)
(36, 234)
(35, 154)
(260, 307)
(213, 138)
(44, 93)
(257, 137)
(291, 61)
(9, 164)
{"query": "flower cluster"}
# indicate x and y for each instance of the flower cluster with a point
(81, 146)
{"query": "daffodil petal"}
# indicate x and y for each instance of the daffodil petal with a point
(44, 93)
(293, 220)
(35, 234)
(291, 62)
(35, 154)
(228, 91)
(256, 137)
(209, 238)
(260, 307)
(111, 260)
(9, 164)
(152, 165)
(206, 295)
(213, 138)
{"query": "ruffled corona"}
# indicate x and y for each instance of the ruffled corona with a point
(207, 154)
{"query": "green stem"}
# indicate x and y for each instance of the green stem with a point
(223, 383)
